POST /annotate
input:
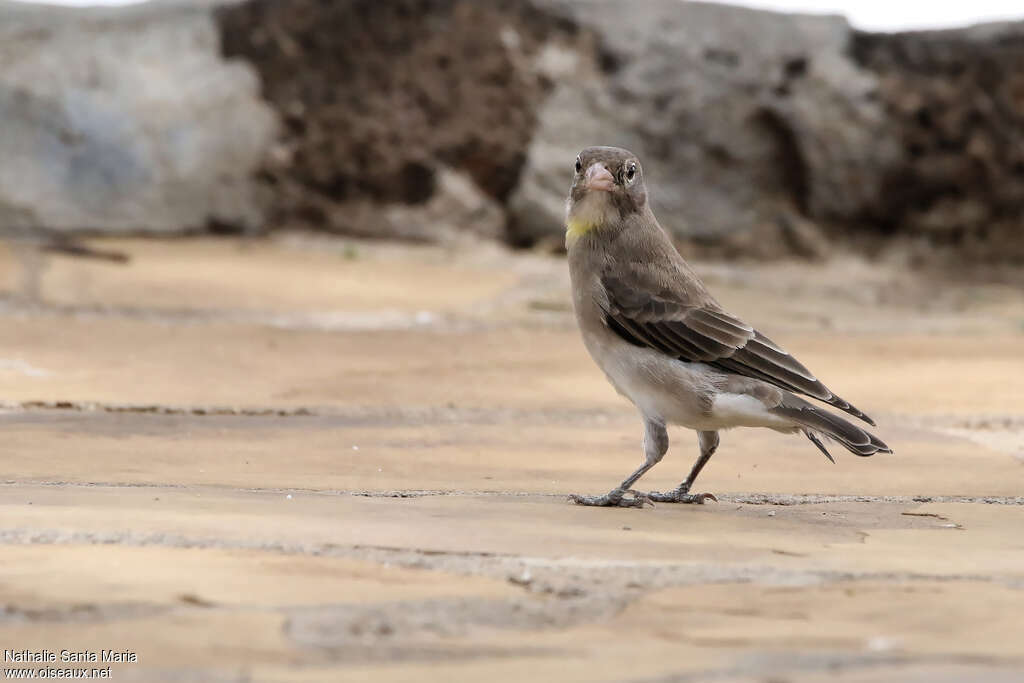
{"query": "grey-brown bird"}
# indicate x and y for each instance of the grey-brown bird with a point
(667, 345)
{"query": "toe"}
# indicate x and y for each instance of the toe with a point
(679, 497)
(607, 500)
(638, 500)
(616, 498)
(699, 498)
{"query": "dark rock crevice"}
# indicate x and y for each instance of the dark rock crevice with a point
(788, 160)
(377, 95)
(956, 102)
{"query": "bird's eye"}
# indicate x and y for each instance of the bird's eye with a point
(630, 172)
(579, 165)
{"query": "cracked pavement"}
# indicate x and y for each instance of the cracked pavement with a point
(317, 460)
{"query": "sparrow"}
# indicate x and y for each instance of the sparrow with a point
(668, 346)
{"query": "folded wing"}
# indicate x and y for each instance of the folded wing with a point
(693, 332)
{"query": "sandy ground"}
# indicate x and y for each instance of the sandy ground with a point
(321, 460)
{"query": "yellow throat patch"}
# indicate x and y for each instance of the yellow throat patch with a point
(586, 216)
(577, 227)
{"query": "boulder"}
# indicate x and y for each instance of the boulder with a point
(456, 211)
(766, 134)
(126, 120)
(376, 96)
(955, 99)
(747, 122)
(579, 112)
(762, 134)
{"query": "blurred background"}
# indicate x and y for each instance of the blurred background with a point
(765, 135)
(291, 389)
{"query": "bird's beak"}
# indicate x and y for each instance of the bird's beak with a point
(599, 178)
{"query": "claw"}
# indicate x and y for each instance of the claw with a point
(615, 498)
(679, 496)
(642, 497)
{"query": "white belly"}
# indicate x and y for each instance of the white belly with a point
(660, 387)
(677, 392)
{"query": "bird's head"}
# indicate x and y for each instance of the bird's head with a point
(607, 186)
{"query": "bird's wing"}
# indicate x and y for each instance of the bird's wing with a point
(695, 329)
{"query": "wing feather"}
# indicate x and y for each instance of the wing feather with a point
(701, 332)
(683, 343)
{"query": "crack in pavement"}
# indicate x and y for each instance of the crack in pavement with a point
(817, 499)
(355, 626)
(784, 664)
(347, 416)
(88, 612)
(157, 409)
(779, 499)
(556, 594)
(314, 321)
(567, 577)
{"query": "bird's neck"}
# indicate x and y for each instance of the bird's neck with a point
(585, 216)
(576, 228)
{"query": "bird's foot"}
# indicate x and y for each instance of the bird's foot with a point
(614, 498)
(681, 495)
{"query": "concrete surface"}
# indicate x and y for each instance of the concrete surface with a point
(309, 460)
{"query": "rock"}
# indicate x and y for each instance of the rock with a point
(747, 122)
(956, 101)
(761, 134)
(126, 120)
(767, 134)
(579, 112)
(376, 95)
(458, 209)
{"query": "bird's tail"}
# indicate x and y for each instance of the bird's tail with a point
(817, 422)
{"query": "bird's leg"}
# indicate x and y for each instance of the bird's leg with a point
(655, 447)
(681, 494)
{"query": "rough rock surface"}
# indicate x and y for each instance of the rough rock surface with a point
(378, 96)
(126, 120)
(956, 101)
(749, 122)
(763, 134)
(457, 209)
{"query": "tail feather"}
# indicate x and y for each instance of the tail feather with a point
(821, 447)
(848, 407)
(816, 422)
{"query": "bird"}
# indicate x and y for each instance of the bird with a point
(666, 344)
